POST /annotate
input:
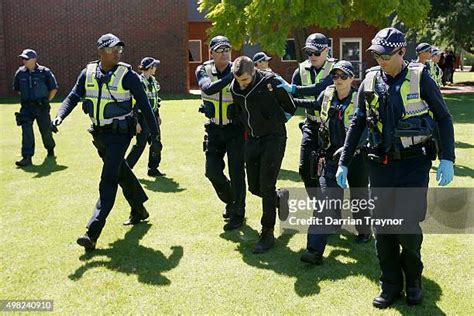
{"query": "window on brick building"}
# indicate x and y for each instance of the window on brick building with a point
(290, 52)
(195, 51)
(350, 50)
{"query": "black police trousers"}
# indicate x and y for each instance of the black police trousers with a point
(28, 113)
(329, 189)
(111, 147)
(142, 138)
(308, 163)
(219, 141)
(386, 183)
(263, 157)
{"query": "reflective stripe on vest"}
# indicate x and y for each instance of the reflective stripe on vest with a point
(305, 76)
(435, 72)
(113, 94)
(410, 93)
(220, 100)
(327, 100)
(152, 91)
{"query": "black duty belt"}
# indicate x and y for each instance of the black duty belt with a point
(386, 158)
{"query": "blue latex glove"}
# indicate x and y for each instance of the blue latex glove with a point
(290, 88)
(341, 176)
(445, 173)
(288, 116)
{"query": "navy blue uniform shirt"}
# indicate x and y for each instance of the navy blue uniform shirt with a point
(392, 111)
(131, 81)
(36, 85)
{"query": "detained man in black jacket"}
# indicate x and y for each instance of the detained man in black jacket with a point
(261, 106)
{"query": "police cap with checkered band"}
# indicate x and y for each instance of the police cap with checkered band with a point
(387, 40)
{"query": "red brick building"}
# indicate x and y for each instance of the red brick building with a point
(64, 34)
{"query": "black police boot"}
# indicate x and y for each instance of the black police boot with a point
(282, 204)
(234, 223)
(266, 241)
(24, 162)
(363, 238)
(312, 257)
(155, 173)
(385, 299)
(414, 292)
(86, 242)
(137, 215)
(51, 153)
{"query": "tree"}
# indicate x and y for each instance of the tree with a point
(449, 23)
(268, 22)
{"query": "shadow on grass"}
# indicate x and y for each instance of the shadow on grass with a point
(162, 184)
(463, 145)
(346, 260)
(289, 175)
(128, 256)
(461, 107)
(47, 167)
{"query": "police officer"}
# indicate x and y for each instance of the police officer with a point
(395, 102)
(261, 106)
(106, 87)
(37, 86)
(261, 61)
(336, 105)
(309, 80)
(224, 133)
(423, 53)
(147, 68)
(433, 67)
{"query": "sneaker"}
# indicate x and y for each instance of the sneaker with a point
(266, 241)
(155, 173)
(86, 242)
(234, 223)
(312, 257)
(24, 162)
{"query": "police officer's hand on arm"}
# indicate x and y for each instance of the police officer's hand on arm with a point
(290, 88)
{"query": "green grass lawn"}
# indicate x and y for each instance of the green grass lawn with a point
(463, 76)
(181, 261)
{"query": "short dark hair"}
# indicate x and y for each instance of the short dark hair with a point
(242, 65)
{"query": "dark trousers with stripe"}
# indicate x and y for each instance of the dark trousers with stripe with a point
(219, 141)
(400, 254)
(111, 147)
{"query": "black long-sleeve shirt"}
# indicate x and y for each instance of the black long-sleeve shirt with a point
(392, 111)
(131, 81)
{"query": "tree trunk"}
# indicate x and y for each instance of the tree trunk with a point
(300, 38)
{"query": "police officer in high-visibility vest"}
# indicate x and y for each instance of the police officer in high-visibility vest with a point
(147, 68)
(106, 87)
(309, 80)
(336, 105)
(224, 132)
(399, 103)
(433, 68)
(423, 53)
(37, 86)
(261, 61)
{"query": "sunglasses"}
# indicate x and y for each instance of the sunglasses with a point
(384, 56)
(109, 50)
(222, 50)
(340, 76)
(316, 53)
